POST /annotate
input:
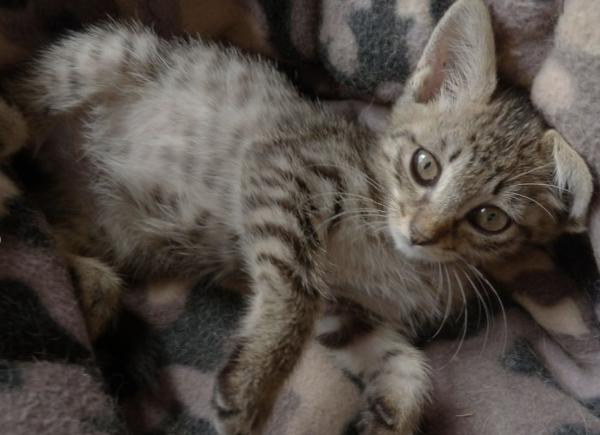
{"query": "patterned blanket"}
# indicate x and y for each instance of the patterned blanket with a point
(533, 368)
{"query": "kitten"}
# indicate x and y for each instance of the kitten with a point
(187, 158)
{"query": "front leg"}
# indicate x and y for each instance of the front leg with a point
(394, 373)
(282, 251)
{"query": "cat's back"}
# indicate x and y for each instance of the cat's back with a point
(152, 101)
(197, 102)
(158, 132)
(147, 111)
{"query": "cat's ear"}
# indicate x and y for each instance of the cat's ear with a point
(459, 61)
(572, 175)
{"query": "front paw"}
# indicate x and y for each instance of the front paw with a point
(382, 418)
(234, 416)
(239, 399)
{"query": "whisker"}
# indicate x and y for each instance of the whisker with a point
(485, 307)
(466, 318)
(491, 287)
(356, 213)
(541, 184)
(346, 194)
(529, 172)
(533, 200)
(374, 183)
(448, 303)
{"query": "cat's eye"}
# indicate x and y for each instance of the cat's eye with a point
(425, 168)
(489, 218)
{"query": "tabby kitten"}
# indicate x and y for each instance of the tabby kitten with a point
(189, 158)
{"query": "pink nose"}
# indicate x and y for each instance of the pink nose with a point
(428, 236)
(418, 238)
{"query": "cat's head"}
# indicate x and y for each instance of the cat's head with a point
(476, 171)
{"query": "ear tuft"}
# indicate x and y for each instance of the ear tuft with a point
(573, 175)
(459, 60)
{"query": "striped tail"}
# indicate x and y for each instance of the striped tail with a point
(95, 64)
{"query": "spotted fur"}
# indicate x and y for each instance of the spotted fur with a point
(187, 158)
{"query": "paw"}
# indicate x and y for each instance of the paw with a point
(381, 418)
(240, 400)
(100, 291)
(233, 415)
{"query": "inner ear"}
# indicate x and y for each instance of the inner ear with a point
(572, 175)
(438, 67)
(459, 60)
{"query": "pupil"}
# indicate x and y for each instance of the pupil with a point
(491, 217)
(427, 165)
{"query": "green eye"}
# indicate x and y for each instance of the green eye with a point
(425, 168)
(489, 218)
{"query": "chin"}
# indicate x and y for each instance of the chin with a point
(419, 253)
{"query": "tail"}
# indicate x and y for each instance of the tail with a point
(87, 66)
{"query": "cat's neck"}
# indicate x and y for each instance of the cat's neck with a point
(350, 195)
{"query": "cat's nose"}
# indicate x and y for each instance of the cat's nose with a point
(418, 238)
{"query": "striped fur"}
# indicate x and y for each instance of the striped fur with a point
(187, 158)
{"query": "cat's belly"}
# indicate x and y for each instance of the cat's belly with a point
(169, 229)
(144, 220)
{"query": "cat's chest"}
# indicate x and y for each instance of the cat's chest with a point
(381, 279)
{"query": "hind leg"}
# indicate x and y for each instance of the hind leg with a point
(99, 290)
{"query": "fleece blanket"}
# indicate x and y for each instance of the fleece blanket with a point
(533, 368)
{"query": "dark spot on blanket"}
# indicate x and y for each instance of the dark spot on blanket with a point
(380, 36)
(521, 359)
(279, 15)
(10, 376)
(574, 429)
(180, 421)
(13, 4)
(575, 255)
(107, 424)
(593, 405)
(438, 8)
(131, 356)
(22, 223)
(28, 333)
(209, 318)
(134, 354)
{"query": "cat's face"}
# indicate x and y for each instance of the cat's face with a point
(475, 172)
(478, 183)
